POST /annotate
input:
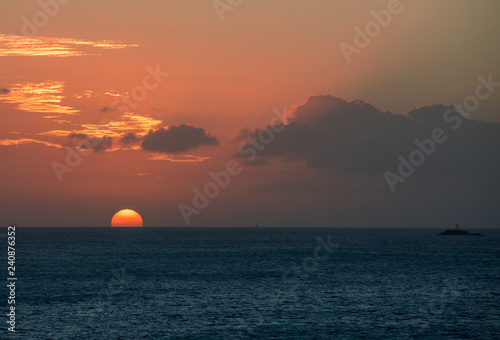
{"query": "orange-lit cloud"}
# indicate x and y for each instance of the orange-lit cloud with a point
(177, 158)
(94, 94)
(125, 133)
(15, 45)
(112, 94)
(128, 122)
(142, 174)
(106, 145)
(43, 97)
(16, 142)
(108, 132)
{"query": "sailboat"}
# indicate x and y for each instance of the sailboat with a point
(256, 224)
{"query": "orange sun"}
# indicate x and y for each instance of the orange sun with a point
(126, 218)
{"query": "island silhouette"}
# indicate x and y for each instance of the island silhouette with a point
(458, 231)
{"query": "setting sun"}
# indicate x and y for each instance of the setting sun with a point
(126, 218)
(322, 143)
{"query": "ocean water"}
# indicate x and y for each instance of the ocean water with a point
(255, 283)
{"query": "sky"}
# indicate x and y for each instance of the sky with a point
(228, 113)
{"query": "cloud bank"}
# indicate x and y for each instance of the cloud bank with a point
(330, 133)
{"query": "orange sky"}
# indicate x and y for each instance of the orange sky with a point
(223, 76)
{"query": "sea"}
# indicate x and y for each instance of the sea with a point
(254, 283)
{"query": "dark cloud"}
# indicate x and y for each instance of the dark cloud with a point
(4, 91)
(258, 161)
(78, 135)
(98, 144)
(103, 144)
(177, 138)
(107, 109)
(355, 137)
(243, 134)
(130, 138)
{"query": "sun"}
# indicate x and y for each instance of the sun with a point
(126, 218)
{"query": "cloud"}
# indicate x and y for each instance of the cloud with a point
(22, 141)
(258, 161)
(45, 97)
(130, 138)
(73, 140)
(177, 158)
(177, 138)
(243, 134)
(330, 133)
(102, 144)
(4, 91)
(78, 135)
(128, 122)
(127, 133)
(17, 45)
(107, 109)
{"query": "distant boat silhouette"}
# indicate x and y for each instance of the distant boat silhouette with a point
(458, 231)
(256, 225)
